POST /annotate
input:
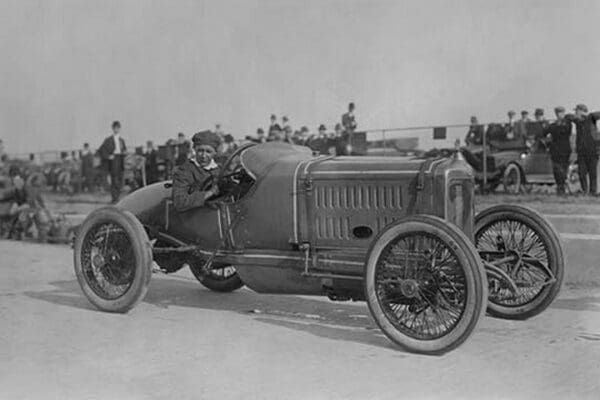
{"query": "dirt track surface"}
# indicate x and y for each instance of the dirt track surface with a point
(184, 342)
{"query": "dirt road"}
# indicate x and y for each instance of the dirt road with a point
(184, 342)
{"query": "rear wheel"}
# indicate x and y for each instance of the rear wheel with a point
(522, 243)
(113, 259)
(425, 285)
(220, 278)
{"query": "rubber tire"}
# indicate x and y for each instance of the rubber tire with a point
(474, 273)
(573, 175)
(143, 255)
(519, 185)
(230, 284)
(548, 234)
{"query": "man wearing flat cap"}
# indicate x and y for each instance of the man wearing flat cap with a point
(521, 126)
(585, 143)
(536, 130)
(559, 133)
(195, 181)
(112, 151)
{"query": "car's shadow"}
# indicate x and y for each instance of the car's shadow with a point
(334, 320)
(587, 303)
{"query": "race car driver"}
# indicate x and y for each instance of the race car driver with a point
(194, 181)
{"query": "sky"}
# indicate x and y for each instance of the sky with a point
(69, 68)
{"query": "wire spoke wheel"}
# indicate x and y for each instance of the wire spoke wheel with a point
(512, 179)
(421, 286)
(112, 259)
(513, 237)
(527, 249)
(108, 260)
(424, 284)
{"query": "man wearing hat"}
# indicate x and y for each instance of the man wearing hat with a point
(182, 149)
(285, 122)
(521, 126)
(318, 144)
(260, 136)
(349, 120)
(585, 144)
(509, 127)
(194, 181)
(274, 128)
(300, 137)
(112, 151)
(151, 157)
(475, 133)
(536, 130)
(559, 133)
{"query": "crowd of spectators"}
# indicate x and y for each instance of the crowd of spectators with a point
(323, 141)
(95, 167)
(160, 161)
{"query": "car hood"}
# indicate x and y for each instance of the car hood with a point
(372, 165)
(257, 160)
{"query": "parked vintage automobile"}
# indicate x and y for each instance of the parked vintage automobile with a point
(400, 234)
(534, 167)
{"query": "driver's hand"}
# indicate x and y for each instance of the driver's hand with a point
(212, 192)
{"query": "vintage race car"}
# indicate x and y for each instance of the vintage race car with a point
(398, 233)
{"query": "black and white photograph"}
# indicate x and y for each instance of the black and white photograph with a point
(299, 199)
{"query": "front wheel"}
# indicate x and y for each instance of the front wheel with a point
(425, 285)
(527, 249)
(513, 179)
(113, 259)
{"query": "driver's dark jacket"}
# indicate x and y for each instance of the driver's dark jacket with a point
(190, 183)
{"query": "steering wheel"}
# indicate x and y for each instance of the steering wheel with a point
(228, 164)
(236, 172)
(232, 174)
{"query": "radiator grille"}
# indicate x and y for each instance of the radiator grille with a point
(339, 208)
(376, 197)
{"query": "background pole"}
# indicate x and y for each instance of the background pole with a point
(484, 187)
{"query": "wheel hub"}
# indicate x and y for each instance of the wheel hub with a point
(409, 288)
(98, 261)
(113, 257)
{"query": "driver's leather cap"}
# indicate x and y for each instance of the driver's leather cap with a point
(207, 138)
